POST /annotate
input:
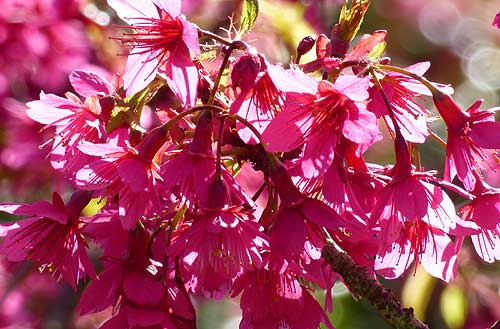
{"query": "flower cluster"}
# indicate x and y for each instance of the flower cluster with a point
(176, 213)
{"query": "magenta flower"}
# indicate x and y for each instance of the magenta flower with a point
(484, 211)
(401, 92)
(470, 135)
(52, 236)
(163, 43)
(296, 233)
(74, 121)
(132, 173)
(272, 300)
(258, 99)
(319, 117)
(132, 283)
(414, 218)
(219, 246)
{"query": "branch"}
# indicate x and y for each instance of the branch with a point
(362, 285)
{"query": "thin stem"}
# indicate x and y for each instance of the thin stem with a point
(386, 100)
(248, 125)
(438, 139)
(219, 149)
(259, 191)
(194, 109)
(362, 285)
(232, 46)
(213, 36)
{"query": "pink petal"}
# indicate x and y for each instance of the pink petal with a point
(182, 76)
(286, 130)
(320, 214)
(89, 84)
(130, 10)
(441, 210)
(487, 245)
(143, 289)
(353, 87)
(51, 108)
(140, 70)
(440, 256)
(496, 21)
(133, 174)
(172, 7)
(395, 260)
(486, 134)
(101, 293)
(318, 154)
(190, 36)
(101, 150)
(38, 209)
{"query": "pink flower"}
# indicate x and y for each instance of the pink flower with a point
(258, 100)
(470, 135)
(133, 284)
(216, 248)
(51, 236)
(132, 173)
(319, 117)
(414, 217)
(163, 42)
(296, 232)
(484, 211)
(271, 300)
(74, 121)
(401, 92)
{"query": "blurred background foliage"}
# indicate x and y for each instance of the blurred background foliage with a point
(454, 35)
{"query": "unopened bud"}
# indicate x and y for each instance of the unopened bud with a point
(305, 45)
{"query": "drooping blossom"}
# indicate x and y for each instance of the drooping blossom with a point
(131, 173)
(270, 299)
(220, 244)
(258, 99)
(470, 135)
(296, 234)
(163, 42)
(52, 236)
(401, 91)
(484, 211)
(319, 117)
(415, 218)
(133, 284)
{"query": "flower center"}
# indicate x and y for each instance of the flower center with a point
(153, 34)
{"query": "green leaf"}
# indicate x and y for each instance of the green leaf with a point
(249, 14)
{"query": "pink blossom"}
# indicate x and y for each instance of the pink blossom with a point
(470, 135)
(216, 248)
(319, 118)
(484, 211)
(258, 99)
(132, 173)
(401, 91)
(51, 236)
(163, 43)
(132, 283)
(272, 300)
(414, 217)
(296, 231)
(74, 121)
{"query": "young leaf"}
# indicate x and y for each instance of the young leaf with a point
(249, 14)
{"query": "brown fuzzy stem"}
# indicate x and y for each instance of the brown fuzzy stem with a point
(363, 285)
